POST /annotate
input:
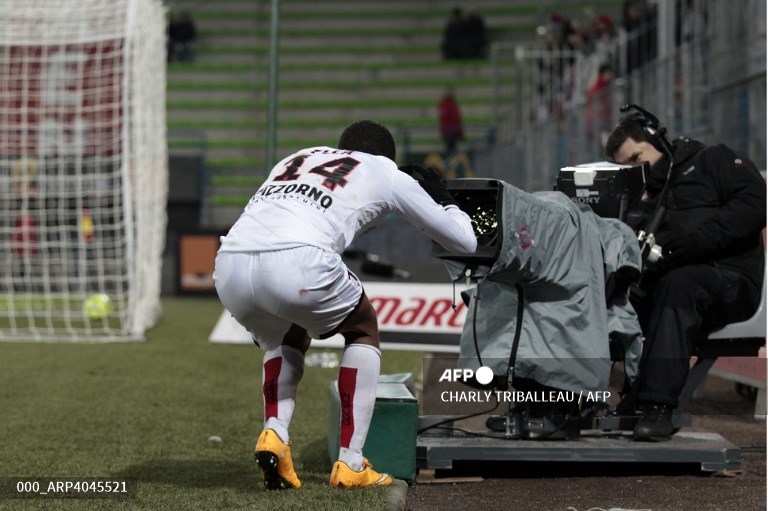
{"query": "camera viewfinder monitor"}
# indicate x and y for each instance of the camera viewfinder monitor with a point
(481, 200)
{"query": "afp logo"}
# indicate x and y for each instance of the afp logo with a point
(483, 375)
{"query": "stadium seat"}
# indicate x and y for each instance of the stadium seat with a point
(752, 327)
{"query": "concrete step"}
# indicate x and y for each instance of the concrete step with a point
(234, 115)
(259, 154)
(196, 6)
(227, 129)
(224, 157)
(288, 143)
(363, 73)
(384, 12)
(302, 27)
(331, 58)
(385, 43)
(374, 21)
(334, 36)
(248, 39)
(482, 72)
(177, 85)
(329, 94)
(315, 110)
(300, 8)
(367, 46)
(480, 111)
(417, 24)
(256, 136)
(327, 112)
(203, 96)
(191, 76)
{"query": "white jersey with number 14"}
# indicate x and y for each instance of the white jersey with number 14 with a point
(324, 197)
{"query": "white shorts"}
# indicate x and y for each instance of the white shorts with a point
(268, 291)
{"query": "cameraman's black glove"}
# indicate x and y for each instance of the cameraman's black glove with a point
(431, 182)
(678, 248)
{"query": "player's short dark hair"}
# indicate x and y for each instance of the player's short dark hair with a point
(368, 137)
(630, 126)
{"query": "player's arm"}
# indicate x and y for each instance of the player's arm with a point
(427, 205)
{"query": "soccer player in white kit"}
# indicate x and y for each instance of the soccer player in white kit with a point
(279, 272)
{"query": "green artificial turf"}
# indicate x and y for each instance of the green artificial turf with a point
(147, 411)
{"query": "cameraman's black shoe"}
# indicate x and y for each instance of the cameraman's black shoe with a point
(655, 424)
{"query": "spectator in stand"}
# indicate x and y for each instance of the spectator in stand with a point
(182, 36)
(602, 27)
(451, 125)
(454, 35)
(563, 37)
(577, 39)
(639, 22)
(476, 36)
(464, 36)
(551, 67)
(574, 43)
(599, 105)
(555, 31)
(603, 33)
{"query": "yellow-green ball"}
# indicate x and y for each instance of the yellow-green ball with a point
(97, 306)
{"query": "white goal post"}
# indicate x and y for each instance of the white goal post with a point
(83, 168)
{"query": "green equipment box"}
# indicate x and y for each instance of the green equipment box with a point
(391, 442)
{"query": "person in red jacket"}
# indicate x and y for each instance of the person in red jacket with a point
(451, 125)
(599, 105)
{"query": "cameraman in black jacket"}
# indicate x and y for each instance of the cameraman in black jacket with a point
(712, 265)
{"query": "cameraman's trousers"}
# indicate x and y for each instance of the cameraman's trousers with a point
(680, 307)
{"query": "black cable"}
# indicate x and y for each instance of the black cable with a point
(477, 433)
(474, 318)
(518, 332)
(460, 418)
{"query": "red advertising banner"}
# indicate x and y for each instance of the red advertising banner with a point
(61, 99)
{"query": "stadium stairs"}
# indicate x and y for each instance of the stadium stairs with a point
(340, 61)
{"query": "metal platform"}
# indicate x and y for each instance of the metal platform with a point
(711, 451)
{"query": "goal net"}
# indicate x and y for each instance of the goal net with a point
(83, 168)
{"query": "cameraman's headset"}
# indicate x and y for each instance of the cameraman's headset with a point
(653, 128)
(657, 138)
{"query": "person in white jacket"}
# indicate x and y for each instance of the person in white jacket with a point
(280, 274)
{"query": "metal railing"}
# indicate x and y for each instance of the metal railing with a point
(707, 82)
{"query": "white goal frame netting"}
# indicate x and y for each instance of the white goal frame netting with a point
(83, 167)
